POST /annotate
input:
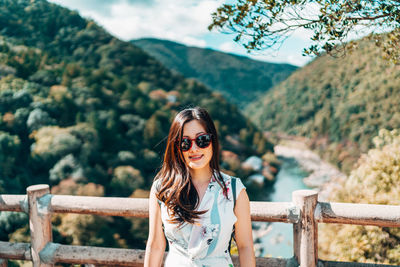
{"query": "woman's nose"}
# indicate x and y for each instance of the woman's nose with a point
(194, 146)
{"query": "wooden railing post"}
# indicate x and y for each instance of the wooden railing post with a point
(305, 232)
(39, 221)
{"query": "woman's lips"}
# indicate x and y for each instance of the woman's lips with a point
(196, 158)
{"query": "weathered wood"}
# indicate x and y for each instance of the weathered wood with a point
(13, 203)
(110, 206)
(268, 262)
(360, 214)
(305, 232)
(57, 253)
(138, 207)
(21, 251)
(39, 221)
(54, 253)
(15, 251)
(344, 213)
(350, 264)
(274, 212)
(305, 212)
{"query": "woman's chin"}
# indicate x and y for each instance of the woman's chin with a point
(197, 165)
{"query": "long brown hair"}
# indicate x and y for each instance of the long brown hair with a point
(175, 188)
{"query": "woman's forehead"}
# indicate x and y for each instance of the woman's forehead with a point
(192, 128)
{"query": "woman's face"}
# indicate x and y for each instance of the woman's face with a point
(196, 158)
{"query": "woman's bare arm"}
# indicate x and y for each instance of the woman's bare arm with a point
(243, 233)
(156, 243)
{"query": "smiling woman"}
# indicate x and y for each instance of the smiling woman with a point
(191, 197)
(197, 154)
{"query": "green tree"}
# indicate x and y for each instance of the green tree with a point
(126, 179)
(156, 129)
(260, 24)
(375, 181)
(65, 168)
(9, 149)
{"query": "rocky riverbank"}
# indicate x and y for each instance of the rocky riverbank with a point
(323, 176)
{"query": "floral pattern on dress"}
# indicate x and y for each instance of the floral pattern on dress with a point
(205, 242)
(209, 232)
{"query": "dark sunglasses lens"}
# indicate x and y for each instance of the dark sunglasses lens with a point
(203, 141)
(186, 144)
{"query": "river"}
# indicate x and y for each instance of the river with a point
(278, 242)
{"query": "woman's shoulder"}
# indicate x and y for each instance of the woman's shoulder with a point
(229, 178)
(155, 187)
(235, 183)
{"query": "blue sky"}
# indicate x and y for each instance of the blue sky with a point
(182, 21)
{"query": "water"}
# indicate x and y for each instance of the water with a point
(278, 242)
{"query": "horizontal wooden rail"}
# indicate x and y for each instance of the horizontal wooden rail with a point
(305, 212)
(138, 207)
(17, 203)
(130, 257)
(359, 214)
(274, 212)
(15, 251)
(350, 264)
(109, 206)
(117, 256)
(343, 213)
(54, 253)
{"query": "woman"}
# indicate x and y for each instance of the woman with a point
(192, 202)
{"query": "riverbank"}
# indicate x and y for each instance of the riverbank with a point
(301, 169)
(323, 176)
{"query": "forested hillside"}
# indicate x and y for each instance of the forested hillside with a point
(375, 180)
(88, 114)
(240, 79)
(340, 102)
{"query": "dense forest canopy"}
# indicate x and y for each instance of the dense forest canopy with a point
(343, 100)
(88, 114)
(240, 79)
(376, 180)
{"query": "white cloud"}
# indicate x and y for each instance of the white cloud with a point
(191, 41)
(229, 47)
(298, 60)
(303, 34)
(182, 21)
(293, 58)
(177, 20)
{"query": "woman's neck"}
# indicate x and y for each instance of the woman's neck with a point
(201, 175)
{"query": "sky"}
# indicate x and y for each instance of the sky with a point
(182, 21)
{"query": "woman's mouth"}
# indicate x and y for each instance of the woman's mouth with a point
(196, 157)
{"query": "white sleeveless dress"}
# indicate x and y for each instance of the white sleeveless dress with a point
(204, 244)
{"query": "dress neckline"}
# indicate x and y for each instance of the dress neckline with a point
(212, 181)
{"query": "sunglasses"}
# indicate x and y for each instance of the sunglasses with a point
(202, 141)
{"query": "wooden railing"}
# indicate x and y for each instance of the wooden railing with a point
(304, 212)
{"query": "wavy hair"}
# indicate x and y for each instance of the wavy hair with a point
(175, 188)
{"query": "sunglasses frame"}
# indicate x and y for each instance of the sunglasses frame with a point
(194, 141)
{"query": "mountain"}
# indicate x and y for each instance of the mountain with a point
(88, 114)
(240, 79)
(342, 102)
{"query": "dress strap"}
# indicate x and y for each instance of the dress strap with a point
(233, 183)
(234, 191)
